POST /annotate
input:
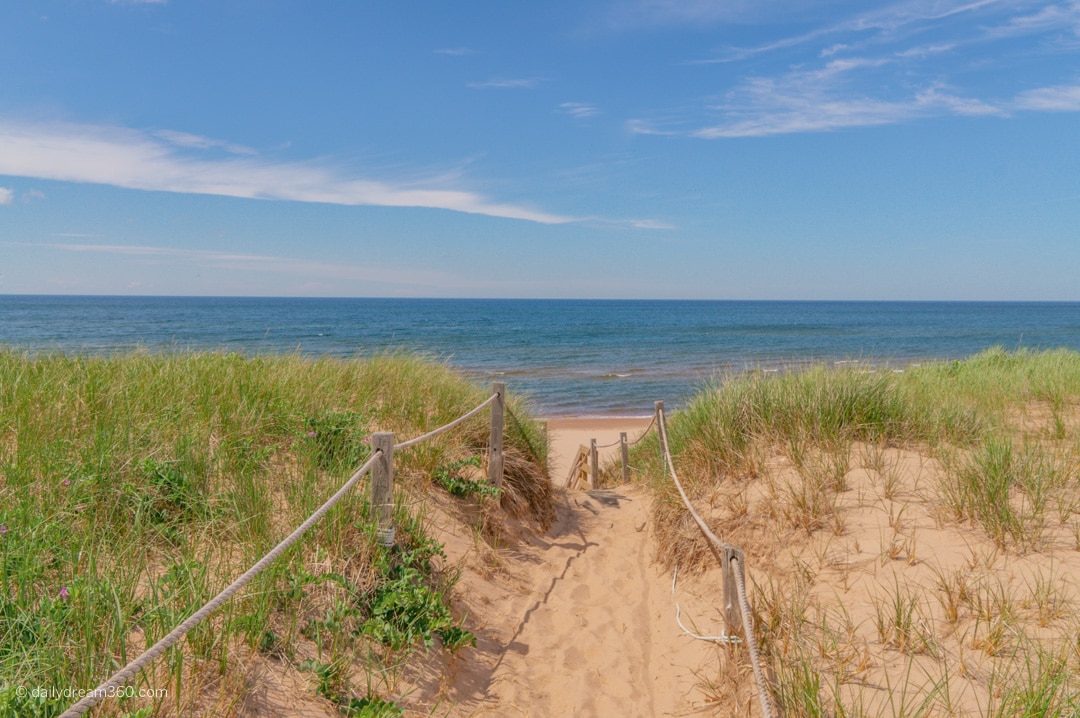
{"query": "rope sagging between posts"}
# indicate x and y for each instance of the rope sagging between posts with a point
(125, 674)
(128, 672)
(446, 427)
(726, 549)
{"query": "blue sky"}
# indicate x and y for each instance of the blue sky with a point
(774, 149)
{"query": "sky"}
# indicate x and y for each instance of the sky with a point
(744, 149)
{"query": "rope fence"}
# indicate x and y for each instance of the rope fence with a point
(737, 612)
(380, 464)
(585, 470)
(732, 569)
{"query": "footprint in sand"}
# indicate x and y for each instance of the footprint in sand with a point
(573, 659)
(581, 593)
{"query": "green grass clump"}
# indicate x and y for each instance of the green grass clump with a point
(134, 487)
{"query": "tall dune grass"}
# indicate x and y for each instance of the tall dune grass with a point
(134, 487)
(773, 458)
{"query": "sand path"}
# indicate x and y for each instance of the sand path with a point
(580, 622)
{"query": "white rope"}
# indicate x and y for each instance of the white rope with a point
(445, 427)
(764, 698)
(643, 433)
(128, 672)
(722, 638)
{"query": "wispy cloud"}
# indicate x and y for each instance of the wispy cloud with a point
(455, 51)
(520, 83)
(650, 224)
(132, 159)
(7, 196)
(1048, 18)
(198, 142)
(579, 110)
(1060, 98)
(883, 66)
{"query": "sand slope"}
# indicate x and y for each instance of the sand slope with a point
(583, 624)
(579, 621)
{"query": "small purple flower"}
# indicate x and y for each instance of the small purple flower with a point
(3, 529)
(311, 434)
(63, 593)
(67, 482)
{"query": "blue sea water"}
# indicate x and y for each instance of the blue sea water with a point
(573, 357)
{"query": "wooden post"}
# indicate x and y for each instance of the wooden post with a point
(382, 486)
(495, 443)
(732, 612)
(594, 465)
(625, 449)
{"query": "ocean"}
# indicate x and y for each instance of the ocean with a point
(572, 357)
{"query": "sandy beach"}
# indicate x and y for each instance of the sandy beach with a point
(567, 434)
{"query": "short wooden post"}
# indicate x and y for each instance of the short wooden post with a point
(658, 409)
(732, 612)
(382, 486)
(625, 450)
(495, 443)
(594, 465)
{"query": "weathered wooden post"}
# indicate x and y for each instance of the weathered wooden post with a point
(382, 486)
(495, 443)
(732, 612)
(594, 465)
(658, 409)
(625, 449)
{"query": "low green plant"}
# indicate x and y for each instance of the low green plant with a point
(371, 707)
(449, 476)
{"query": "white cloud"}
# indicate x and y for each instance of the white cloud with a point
(650, 224)
(185, 139)
(7, 196)
(644, 127)
(579, 110)
(522, 83)
(1051, 17)
(934, 97)
(455, 51)
(131, 159)
(1060, 98)
(926, 50)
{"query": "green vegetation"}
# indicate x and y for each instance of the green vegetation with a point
(134, 487)
(829, 478)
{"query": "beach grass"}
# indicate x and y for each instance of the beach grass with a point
(911, 534)
(134, 487)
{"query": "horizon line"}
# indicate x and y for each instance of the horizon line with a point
(539, 299)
